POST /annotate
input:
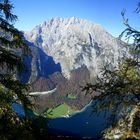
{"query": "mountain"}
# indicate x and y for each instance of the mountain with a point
(68, 53)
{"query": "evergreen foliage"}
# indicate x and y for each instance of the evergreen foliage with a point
(120, 88)
(12, 49)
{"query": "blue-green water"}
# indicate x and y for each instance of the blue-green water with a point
(82, 124)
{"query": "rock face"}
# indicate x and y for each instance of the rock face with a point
(75, 42)
(69, 53)
(126, 128)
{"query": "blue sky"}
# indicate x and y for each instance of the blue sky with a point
(105, 12)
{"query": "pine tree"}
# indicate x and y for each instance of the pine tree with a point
(121, 88)
(12, 49)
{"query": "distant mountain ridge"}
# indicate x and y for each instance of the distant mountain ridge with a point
(69, 53)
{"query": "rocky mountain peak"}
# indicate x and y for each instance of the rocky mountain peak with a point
(74, 42)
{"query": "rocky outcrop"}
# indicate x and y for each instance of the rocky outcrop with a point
(126, 128)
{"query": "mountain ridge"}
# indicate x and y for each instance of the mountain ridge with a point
(78, 41)
(79, 50)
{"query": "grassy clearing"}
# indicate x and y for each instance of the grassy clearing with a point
(58, 111)
(70, 96)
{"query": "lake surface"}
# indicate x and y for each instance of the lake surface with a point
(82, 124)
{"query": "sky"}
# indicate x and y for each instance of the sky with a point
(105, 12)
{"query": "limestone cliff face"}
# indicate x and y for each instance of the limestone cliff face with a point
(74, 42)
(69, 53)
(126, 128)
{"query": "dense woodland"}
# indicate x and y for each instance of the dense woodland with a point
(121, 86)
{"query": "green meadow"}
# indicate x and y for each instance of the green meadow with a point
(59, 111)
